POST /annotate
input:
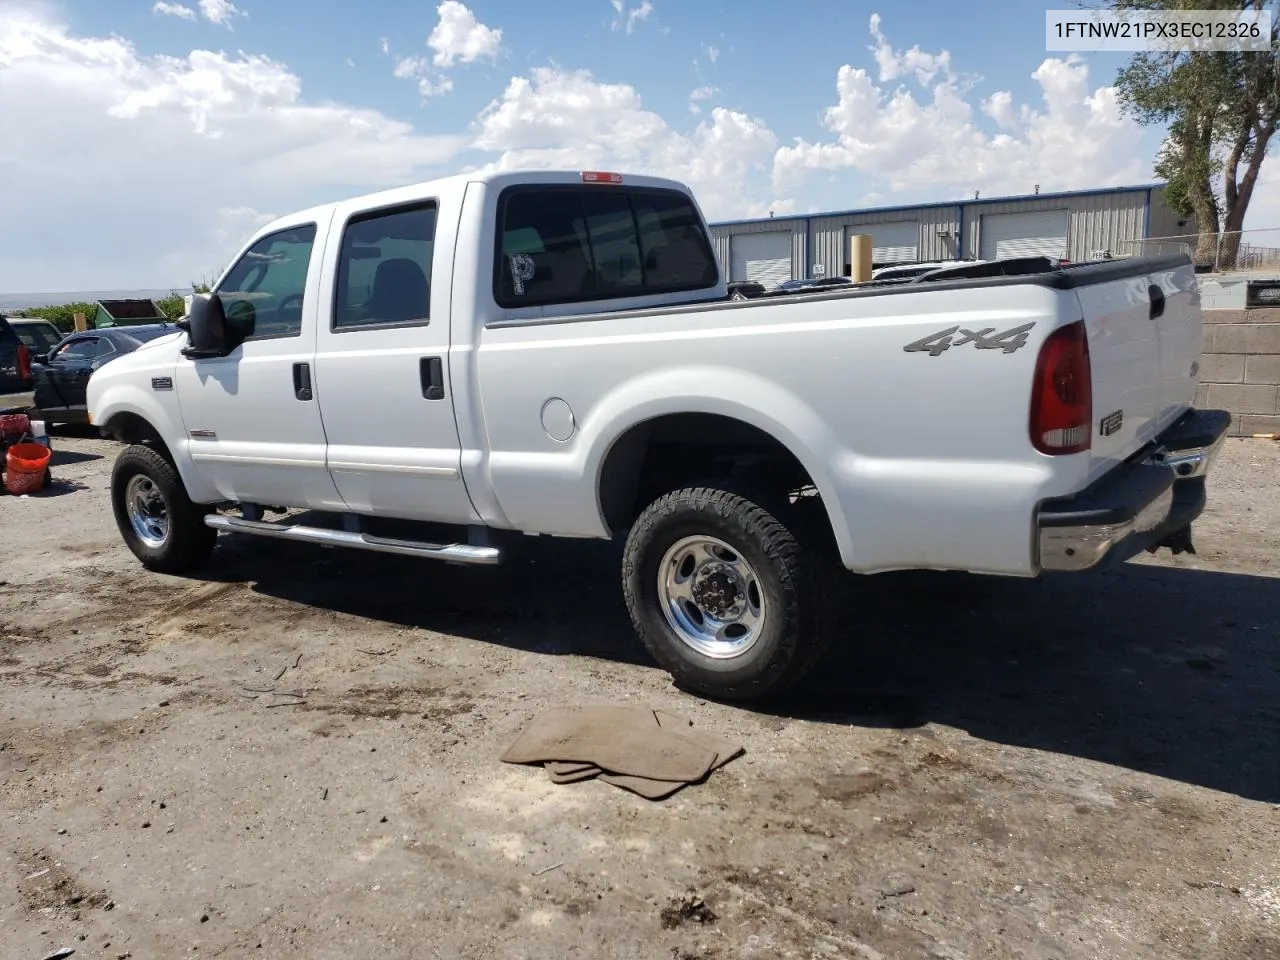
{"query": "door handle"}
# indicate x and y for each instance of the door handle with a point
(1157, 301)
(431, 372)
(302, 381)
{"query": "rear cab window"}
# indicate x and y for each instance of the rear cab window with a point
(39, 337)
(571, 244)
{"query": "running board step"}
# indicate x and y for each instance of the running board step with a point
(452, 552)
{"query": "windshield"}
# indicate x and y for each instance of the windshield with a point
(38, 337)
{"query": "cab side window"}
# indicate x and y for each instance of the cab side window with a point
(384, 269)
(263, 292)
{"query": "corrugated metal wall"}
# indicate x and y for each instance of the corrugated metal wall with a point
(1100, 221)
(1164, 219)
(722, 239)
(831, 249)
(1096, 221)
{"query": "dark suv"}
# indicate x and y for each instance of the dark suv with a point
(15, 361)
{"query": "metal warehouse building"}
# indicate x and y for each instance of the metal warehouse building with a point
(1073, 226)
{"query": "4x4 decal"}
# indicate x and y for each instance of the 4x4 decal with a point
(986, 339)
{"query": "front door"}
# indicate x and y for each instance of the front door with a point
(62, 383)
(252, 420)
(382, 366)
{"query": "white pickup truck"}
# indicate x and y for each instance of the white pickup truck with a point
(428, 370)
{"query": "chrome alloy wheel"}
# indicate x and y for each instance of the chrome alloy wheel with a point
(711, 597)
(146, 509)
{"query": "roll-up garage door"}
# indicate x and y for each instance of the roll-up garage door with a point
(762, 257)
(894, 242)
(1041, 234)
(897, 242)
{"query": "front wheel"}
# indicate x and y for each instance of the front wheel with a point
(733, 600)
(156, 518)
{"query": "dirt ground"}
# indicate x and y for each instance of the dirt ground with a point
(1080, 767)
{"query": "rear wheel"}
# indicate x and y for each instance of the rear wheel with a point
(734, 599)
(156, 518)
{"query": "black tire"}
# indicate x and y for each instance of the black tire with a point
(795, 566)
(187, 542)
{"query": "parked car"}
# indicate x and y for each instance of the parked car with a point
(907, 271)
(812, 282)
(15, 361)
(744, 289)
(557, 354)
(62, 375)
(40, 336)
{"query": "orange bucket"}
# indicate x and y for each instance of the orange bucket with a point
(25, 465)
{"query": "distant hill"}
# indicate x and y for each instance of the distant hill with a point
(13, 302)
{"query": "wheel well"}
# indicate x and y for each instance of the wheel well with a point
(132, 428)
(669, 452)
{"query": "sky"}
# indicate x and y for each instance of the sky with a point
(141, 142)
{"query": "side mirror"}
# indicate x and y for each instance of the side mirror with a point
(40, 358)
(206, 327)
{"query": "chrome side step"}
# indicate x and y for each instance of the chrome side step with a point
(452, 552)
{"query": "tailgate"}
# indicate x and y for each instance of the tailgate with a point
(1144, 325)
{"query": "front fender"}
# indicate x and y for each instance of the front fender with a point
(114, 398)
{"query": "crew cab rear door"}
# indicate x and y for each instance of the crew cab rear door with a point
(382, 361)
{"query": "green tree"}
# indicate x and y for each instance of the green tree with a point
(1221, 110)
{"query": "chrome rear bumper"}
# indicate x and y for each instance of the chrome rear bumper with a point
(1138, 505)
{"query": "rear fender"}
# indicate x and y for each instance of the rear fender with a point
(741, 396)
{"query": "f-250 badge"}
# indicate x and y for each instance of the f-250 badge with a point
(986, 339)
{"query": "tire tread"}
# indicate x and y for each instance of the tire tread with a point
(802, 557)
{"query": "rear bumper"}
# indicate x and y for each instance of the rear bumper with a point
(1137, 506)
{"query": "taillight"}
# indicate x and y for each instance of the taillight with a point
(24, 362)
(1062, 395)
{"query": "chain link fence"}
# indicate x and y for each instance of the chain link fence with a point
(1254, 252)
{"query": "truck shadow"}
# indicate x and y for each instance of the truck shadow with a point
(1167, 671)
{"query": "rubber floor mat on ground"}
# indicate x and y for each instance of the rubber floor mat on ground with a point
(649, 752)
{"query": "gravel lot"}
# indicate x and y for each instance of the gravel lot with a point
(1083, 767)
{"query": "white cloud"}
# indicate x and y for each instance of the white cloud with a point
(569, 120)
(713, 52)
(637, 14)
(430, 84)
(459, 37)
(921, 146)
(999, 107)
(895, 63)
(701, 93)
(777, 208)
(173, 10)
(220, 11)
(175, 139)
(1264, 208)
(629, 19)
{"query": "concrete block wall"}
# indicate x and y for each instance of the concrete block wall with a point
(1240, 370)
